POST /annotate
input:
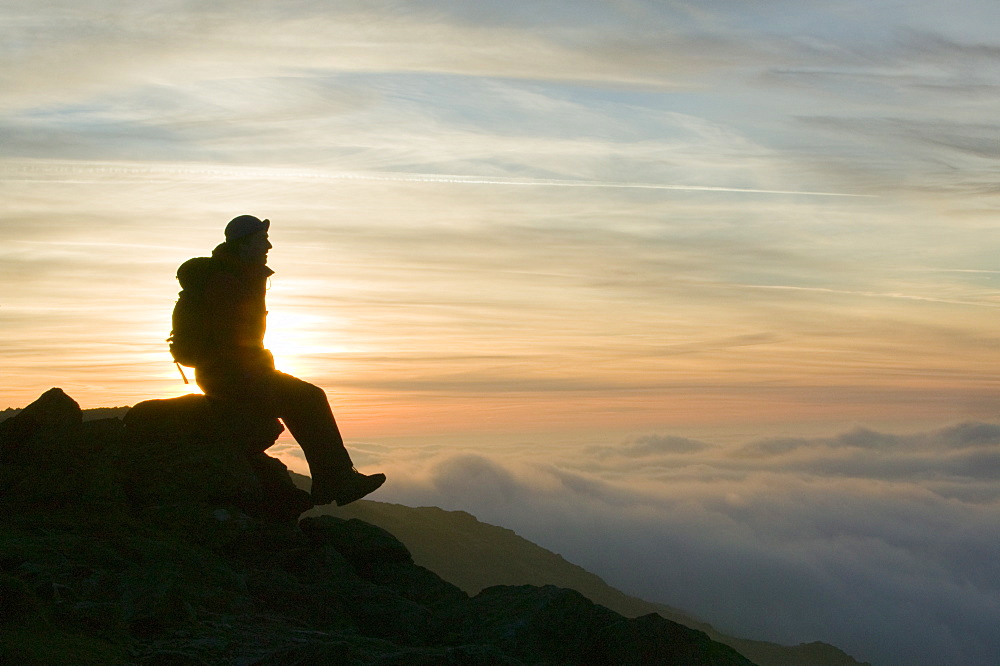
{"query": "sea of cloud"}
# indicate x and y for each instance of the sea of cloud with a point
(884, 545)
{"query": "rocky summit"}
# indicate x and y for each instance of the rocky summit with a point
(170, 537)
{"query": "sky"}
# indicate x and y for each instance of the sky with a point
(701, 295)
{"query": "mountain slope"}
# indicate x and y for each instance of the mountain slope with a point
(167, 537)
(475, 555)
(162, 537)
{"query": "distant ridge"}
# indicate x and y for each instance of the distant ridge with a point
(474, 555)
(88, 414)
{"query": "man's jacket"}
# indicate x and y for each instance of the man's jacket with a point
(221, 315)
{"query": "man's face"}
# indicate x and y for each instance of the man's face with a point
(254, 249)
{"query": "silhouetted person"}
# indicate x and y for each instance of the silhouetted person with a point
(219, 323)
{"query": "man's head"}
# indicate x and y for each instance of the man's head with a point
(247, 236)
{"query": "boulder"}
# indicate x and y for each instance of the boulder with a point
(51, 459)
(181, 455)
(552, 625)
(188, 450)
(639, 640)
(40, 432)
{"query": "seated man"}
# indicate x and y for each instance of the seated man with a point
(218, 328)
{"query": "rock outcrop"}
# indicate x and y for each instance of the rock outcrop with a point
(183, 449)
(171, 538)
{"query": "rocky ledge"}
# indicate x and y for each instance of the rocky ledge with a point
(170, 537)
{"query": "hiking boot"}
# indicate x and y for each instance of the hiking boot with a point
(345, 488)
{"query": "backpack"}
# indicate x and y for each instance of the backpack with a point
(189, 339)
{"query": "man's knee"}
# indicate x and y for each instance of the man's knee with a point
(298, 388)
(313, 392)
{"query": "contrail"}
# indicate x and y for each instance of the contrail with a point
(871, 294)
(70, 172)
(544, 182)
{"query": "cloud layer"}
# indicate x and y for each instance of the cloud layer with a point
(881, 544)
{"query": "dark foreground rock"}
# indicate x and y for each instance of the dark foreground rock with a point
(171, 538)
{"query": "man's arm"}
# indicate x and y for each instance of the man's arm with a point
(235, 326)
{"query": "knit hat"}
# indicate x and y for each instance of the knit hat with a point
(245, 225)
